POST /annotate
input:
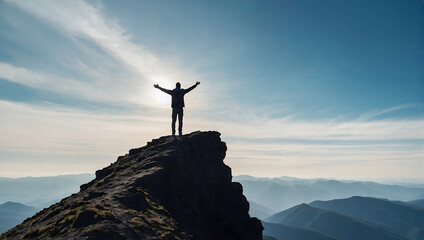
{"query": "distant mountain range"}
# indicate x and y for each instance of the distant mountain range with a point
(266, 196)
(278, 194)
(418, 203)
(259, 211)
(284, 232)
(41, 192)
(350, 219)
(12, 213)
(268, 238)
(23, 197)
(399, 218)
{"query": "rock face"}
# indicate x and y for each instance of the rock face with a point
(170, 189)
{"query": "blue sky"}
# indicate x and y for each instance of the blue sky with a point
(303, 88)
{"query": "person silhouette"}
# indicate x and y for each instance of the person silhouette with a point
(177, 104)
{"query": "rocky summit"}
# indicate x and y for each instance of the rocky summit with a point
(172, 188)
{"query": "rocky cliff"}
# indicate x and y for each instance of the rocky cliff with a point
(169, 189)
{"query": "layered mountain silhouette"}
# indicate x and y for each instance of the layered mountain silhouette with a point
(259, 211)
(282, 193)
(12, 213)
(41, 192)
(284, 232)
(351, 218)
(169, 189)
(268, 238)
(418, 203)
(397, 217)
(331, 224)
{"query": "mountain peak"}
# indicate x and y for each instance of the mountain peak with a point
(172, 188)
(10, 206)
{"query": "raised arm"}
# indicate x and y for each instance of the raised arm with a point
(191, 88)
(163, 89)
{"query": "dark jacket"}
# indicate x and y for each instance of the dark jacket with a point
(177, 95)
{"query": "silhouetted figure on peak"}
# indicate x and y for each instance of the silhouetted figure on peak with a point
(177, 104)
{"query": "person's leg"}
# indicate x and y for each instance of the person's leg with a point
(174, 119)
(180, 121)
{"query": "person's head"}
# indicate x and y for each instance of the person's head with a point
(178, 85)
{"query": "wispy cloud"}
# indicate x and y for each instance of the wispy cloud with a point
(82, 19)
(57, 84)
(248, 124)
(373, 114)
(138, 70)
(343, 148)
(94, 140)
(54, 129)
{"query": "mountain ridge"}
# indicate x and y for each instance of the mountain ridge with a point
(13, 213)
(172, 188)
(278, 194)
(330, 223)
(398, 217)
(285, 232)
(40, 191)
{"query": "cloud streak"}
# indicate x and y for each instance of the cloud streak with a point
(95, 139)
(131, 81)
(81, 19)
(56, 84)
(374, 114)
(249, 125)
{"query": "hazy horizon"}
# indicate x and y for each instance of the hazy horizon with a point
(377, 180)
(305, 88)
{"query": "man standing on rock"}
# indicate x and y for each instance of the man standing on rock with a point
(177, 104)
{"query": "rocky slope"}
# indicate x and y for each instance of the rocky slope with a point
(170, 189)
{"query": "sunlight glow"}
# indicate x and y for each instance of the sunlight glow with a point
(160, 97)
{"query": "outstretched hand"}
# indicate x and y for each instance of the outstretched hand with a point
(197, 83)
(156, 85)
